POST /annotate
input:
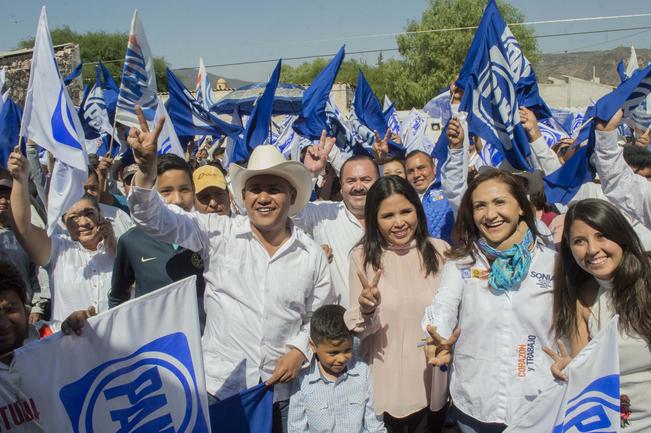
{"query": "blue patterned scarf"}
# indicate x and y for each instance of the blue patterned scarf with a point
(511, 266)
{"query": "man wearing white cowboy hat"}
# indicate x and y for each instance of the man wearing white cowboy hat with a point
(264, 277)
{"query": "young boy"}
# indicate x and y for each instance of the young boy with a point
(335, 393)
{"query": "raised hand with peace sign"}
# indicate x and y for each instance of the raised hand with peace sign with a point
(561, 360)
(381, 146)
(316, 156)
(369, 299)
(438, 350)
(144, 144)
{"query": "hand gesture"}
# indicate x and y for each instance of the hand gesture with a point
(381, 146)
(642, 138)
(328, 252)
(104, 165)
(75, 321)
(287, 367)
(455, 134)
(18, 165)
(316, 156)
(438, 350)
(560, 359)
(369, 299)
(104, 230)
(609, 125)
(145, 143)
(455, 92)
(530, 123)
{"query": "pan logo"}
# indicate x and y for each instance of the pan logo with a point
(154, 390)
(596, 408)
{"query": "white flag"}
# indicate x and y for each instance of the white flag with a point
(168, 141)
(204, 87)
(136, 367)
(632, 65)
(587, 402)
(51, 121)
(413, 129)
(138, 86)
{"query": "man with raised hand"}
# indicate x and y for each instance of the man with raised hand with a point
(264, 277)
(339, 225)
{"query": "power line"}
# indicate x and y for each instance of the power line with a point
(396, 49)
(601, 43)
(251, 62)
(451, 29)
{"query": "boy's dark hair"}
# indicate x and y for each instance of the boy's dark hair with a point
(636, 156)
(327, 323)
(169, 161)
(11, 279)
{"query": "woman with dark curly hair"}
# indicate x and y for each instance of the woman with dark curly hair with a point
(603, 271)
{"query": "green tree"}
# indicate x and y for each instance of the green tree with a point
(96, 46)
(433, 59)
(430, 61)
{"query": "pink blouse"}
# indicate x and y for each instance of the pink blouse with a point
(403, 381)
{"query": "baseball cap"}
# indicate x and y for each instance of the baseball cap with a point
(207, 176)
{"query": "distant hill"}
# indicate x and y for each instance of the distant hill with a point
(189, 76)
(580, 64)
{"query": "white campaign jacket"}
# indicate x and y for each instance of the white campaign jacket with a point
(498, 361)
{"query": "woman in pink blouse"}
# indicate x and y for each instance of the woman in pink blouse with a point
(394, 273)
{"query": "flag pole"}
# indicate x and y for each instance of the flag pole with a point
(110, 149)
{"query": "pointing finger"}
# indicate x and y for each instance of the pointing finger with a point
(561, 348)
(363, 280)
(376, 279)
(438, 340)
(159, 128)
(553, 355)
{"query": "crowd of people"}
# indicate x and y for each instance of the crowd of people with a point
(394, 303)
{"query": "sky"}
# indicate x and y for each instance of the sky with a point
(254, 30)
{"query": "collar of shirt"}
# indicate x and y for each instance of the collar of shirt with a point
(296, 236)
(315, 374)
(353, 219)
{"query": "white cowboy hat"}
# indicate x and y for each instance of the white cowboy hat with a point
(266, 159)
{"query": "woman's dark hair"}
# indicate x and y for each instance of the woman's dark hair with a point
(465, 232)
(373, 243)
(631, 294)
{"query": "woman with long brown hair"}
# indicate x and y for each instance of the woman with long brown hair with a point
(496, 290)
(603, 270)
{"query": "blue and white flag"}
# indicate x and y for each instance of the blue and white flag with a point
(110, 90)
(368, 112)
(203, 90)
(50, 120)
(490, 155)
(551, 131)
(259, 123)
(189, 117)
(93, 111)
(113, 379)
(3, 78)
(168, 141)
(391, 115)
(413, 130)
(440, 107)
(312, 118)
(497, 80)
(563, 184)
(138, 85)
(588, 402)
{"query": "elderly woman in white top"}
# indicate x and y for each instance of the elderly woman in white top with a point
(79, 266)
(496, 288)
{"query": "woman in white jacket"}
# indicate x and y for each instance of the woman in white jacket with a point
(496, 289)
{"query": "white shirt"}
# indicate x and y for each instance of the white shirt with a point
(331, 223)
(79, 277)
(498, 361)
(625, 189)
(257, 307)
(11, 396)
